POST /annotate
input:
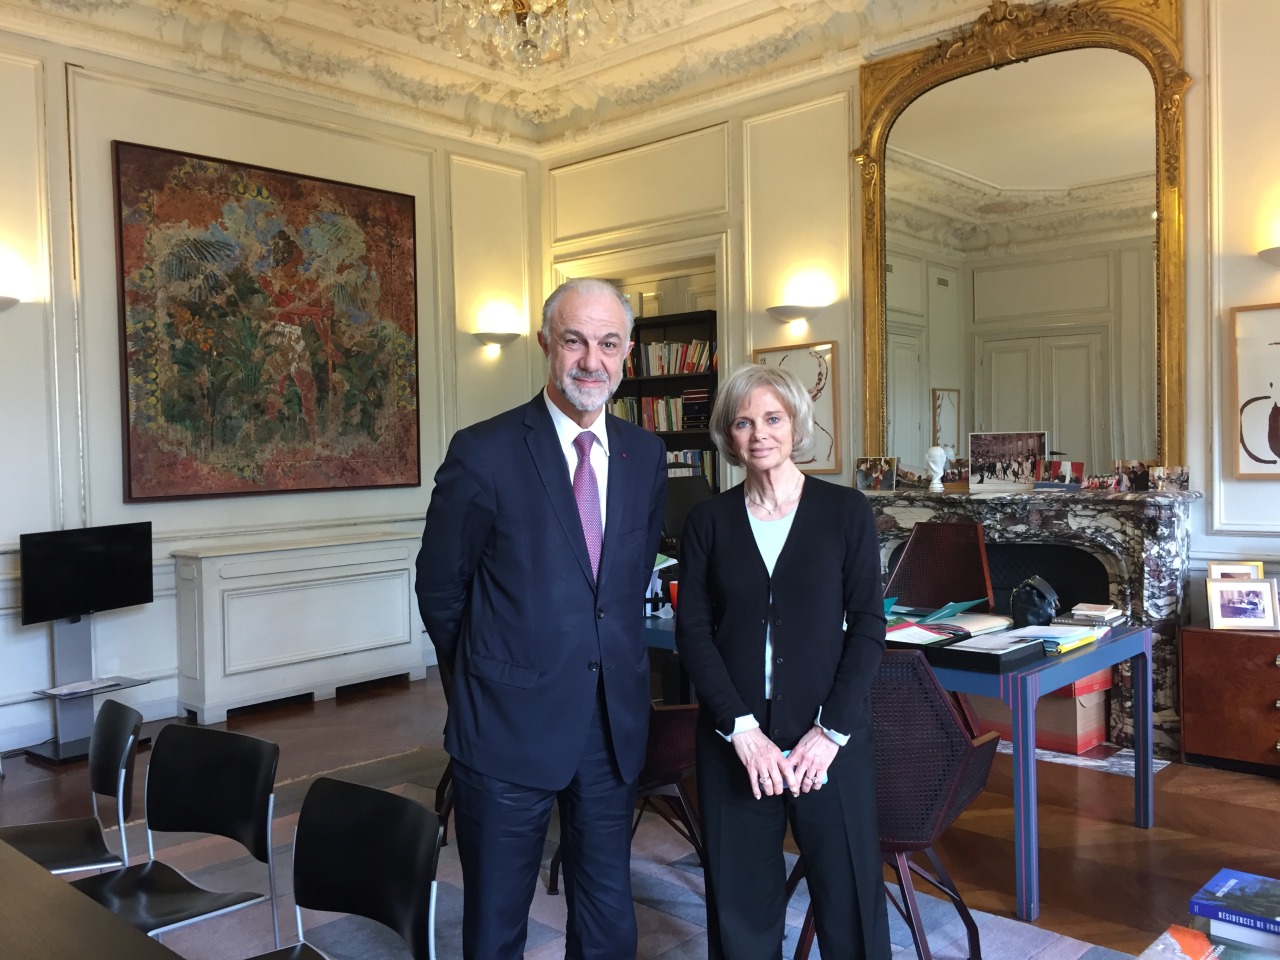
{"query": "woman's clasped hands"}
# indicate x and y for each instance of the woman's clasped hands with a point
(770, 772)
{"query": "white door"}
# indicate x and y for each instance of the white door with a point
(907, 402)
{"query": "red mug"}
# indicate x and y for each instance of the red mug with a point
(674, 587)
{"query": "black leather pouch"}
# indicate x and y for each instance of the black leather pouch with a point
(1033, 603)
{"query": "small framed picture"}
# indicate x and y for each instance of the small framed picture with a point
(1235, 569)
(1005, 461)
(1242, 604)
(875, 474)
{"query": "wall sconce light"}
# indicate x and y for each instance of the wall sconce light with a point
(1271, 255)
(494, 339)
(789, 313)
(7, 302)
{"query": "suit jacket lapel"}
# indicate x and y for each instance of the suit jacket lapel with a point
(620, 479)
(548, 457)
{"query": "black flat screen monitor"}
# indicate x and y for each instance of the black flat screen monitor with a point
(682, 494)
(69, 573)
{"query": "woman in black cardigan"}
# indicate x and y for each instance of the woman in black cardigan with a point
(781, 628)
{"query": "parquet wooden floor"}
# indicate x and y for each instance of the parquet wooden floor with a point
(1102, 879)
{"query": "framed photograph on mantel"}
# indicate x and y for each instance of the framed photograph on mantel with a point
(1005, 461)
(268, 329)
(1255, 333)
(816, 364)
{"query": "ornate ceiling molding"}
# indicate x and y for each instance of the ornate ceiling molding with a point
(391, 58)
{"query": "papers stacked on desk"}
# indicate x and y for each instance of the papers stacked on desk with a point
(1057, 638)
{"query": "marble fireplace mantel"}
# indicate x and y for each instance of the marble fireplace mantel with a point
(1140, 538)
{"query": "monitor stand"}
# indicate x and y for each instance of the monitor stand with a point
(73, 713)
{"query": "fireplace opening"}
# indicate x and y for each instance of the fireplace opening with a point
(1077, 575)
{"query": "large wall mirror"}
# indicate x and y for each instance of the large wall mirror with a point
(1023, 232)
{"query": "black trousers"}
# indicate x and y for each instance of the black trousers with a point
(501, 830)
(835, 830)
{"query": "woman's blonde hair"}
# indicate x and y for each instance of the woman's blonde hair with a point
(736, 388)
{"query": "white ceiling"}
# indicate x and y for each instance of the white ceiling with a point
(1076, 118)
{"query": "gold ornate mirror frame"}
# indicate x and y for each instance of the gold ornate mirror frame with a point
(1150, 30)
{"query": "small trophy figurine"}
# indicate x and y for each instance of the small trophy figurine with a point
(936, 458)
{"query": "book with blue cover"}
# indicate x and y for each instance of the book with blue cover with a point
(1244, 899)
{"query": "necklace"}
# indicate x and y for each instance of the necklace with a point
(777, 507)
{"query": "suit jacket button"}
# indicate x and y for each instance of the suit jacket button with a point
(778, 622)
(600, 614)
(593, 665)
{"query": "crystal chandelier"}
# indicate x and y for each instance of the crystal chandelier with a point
(530, 32)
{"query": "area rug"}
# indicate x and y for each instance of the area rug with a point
(1120, 762)
(666, 879)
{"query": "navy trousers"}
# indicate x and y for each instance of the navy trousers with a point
(501, 830)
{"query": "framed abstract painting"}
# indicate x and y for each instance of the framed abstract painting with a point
(268, 329)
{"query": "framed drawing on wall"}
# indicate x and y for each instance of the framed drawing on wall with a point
(816, 365)
(1255, 333)
(946, 418)
(268, 329)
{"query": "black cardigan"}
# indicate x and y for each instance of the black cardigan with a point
(827, 612)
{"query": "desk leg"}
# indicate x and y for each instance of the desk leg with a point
(1026, 840)
(1144, 802)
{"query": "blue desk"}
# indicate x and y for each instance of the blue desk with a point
(660, 634)
(1020, 689)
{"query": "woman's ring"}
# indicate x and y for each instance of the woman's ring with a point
(766, 779)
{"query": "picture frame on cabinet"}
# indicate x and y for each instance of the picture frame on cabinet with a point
(817, 365)
(269, 329)
(1235, 569)
(1255, 333)
(1242, 604)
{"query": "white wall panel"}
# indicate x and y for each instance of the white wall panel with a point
(489, 213)
(663, 182)
(1028, 290)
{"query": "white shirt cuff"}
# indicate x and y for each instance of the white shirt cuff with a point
(839, 739)
(743, 724)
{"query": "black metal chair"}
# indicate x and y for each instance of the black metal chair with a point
(929, 768)
(670, 755)
(68, 846)
(363, 851)
(200, 780)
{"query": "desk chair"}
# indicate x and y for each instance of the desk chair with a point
(929, 768)
(363, 851)
(942, 562)
(67, 846)
(200, 780)
(669, 756)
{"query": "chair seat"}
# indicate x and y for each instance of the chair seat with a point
(63, 846)
(154, 897)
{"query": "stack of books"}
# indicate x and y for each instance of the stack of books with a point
(1057, 638)
(1102, 616)
(1241, 909)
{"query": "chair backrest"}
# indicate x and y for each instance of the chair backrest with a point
(928, 769)
(367, 852)
(112, 749)
(942, 562)
(670, 752)
(202, 780)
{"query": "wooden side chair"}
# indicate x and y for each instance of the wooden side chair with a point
(360, 850)
(942, 562)
(67, 846)
(200, 780)
(929, 768)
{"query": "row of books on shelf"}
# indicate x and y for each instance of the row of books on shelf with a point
(1235, 916)
(696, 463)
(689, 411)
(952, 636)
(670, 357)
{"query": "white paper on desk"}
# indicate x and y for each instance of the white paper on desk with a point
(910, 633)
(81, 686)
(993, 643)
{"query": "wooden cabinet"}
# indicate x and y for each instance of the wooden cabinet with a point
(670, 386)
(1230, 695)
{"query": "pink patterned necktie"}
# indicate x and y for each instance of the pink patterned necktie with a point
(587, 492)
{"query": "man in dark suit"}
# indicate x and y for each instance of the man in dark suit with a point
(539, 543)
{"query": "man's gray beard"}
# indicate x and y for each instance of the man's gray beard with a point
(579, 399)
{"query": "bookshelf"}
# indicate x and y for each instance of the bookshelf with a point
(669, 385)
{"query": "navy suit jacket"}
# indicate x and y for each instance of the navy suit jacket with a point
(507, 595)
